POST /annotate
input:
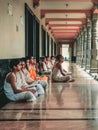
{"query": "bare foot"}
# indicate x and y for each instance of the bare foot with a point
(72, 80)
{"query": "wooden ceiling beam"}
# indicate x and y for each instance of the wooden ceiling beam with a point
(43, 12)
(60, 25)
(57, 29)
(65, 32)
(65, 19)
(94, 1)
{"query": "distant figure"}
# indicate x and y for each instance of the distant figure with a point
(44, 68)
(52, 61)
(48, 63)
(65, 58)
(59, 74)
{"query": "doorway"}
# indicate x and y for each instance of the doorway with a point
(31, 34)
(29, 31)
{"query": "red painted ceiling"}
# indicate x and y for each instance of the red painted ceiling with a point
(66, 18)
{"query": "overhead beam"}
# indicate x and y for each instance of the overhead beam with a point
(57, 33)
(57, 29)
(64, 38)
(68, 31)
(60, 25)
(43, 12)
(71, 35)
(67, 27)
(68, 39)
(65, 35)
(94, 1)
(65, 19)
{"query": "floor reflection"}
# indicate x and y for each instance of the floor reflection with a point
(70, 106)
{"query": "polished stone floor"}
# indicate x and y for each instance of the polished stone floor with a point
(66, 106)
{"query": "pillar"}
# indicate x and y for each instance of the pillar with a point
(94, 45)
(78, 50)
(88, 45)
(84, 40)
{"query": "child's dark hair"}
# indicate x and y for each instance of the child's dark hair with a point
(42, 58)
(52, 57)
(23, 59)
(30, 57)
(59, 56)
(14, 62)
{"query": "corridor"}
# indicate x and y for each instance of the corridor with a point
(66, 106)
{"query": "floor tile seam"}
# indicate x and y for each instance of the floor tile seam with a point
(8, 109)
(50, 119)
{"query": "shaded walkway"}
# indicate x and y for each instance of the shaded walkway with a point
(70, 106)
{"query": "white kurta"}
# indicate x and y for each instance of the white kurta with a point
(8, 90)
(57, 76)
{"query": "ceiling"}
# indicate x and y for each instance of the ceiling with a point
(66, 18)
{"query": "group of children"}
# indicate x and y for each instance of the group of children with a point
(23, 83)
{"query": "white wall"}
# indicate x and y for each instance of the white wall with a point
(12, 42)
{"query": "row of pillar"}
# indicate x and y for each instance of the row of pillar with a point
(87, 46)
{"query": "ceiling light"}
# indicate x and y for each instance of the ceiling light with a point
(66, 15)
(66, 4)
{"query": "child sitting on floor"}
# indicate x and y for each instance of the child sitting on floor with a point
(14, 89)
(58, 73)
